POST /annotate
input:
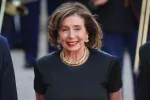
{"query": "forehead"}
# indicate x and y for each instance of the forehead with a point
(73, 20)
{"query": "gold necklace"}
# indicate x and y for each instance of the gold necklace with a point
(62, 56)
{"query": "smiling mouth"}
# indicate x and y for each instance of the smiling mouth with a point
(72, 43)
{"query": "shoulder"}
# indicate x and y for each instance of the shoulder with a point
(144, 49)
(2, 38)
(3, 41)
(103, 57)
(4, 48)
(145, 46)
(49, 58)
(105, 61)
(102, 54)
(47, 62)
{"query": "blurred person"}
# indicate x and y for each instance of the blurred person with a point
(30, 32)
(143, 87)
(136, 6)
(68, 73)
(8, 31)
(8, 27)
(7, 78)
(119, 20)
(24, 33)
(117, 25)
(120, 25)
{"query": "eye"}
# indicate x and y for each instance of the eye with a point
(78, 28)
(65, 29)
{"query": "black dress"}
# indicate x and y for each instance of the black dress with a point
(93, 80)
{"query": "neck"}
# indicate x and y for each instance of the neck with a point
(75, 55)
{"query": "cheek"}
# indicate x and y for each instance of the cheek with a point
(62, 37)
(63, 40)
(81, 37)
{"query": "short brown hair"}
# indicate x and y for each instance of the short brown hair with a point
(70, 8)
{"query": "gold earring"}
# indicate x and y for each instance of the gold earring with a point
(58, 40)
(87, 39)
(58, 43)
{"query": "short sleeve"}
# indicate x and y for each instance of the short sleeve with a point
(115, 79)
(39, 85)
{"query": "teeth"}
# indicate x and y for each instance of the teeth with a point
(71, 43)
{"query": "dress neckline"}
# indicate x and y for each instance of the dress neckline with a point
(76, 67)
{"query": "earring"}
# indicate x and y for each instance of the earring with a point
(87, 39)
(58, 46)
(58, 43)
(58, 40)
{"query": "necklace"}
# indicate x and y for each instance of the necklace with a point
(62, 56)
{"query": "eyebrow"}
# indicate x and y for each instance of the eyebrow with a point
(73, 26)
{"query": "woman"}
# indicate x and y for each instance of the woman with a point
(78, 71)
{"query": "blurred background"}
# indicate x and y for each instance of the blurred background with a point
(27, 37)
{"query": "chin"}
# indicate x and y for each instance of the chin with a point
(72, 49)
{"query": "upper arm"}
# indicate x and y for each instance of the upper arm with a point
(115, 81)
(39, 96)
(115, 78)
(116, 95)
(39, 85)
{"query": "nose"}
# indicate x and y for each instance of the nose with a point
(71, 34)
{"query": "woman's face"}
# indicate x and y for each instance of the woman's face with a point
(72, 33)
